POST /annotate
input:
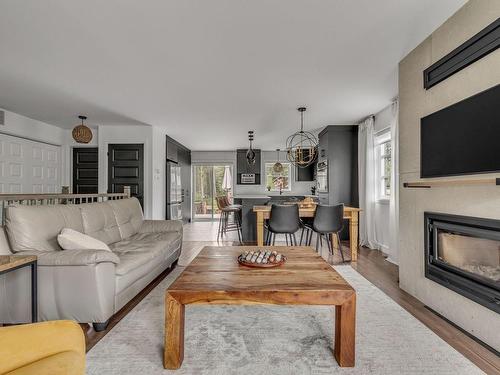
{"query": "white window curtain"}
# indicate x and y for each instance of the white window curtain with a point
(367, 183)
(393, 251)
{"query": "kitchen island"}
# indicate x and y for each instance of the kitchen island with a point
(248, 216)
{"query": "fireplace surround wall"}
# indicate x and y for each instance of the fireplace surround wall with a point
(479, 200)
(463, 254)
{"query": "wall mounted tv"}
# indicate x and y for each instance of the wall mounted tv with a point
(463, 138)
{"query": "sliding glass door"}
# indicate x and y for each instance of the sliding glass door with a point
(210, 181)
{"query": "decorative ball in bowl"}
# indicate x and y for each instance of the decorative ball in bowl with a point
(261, 259)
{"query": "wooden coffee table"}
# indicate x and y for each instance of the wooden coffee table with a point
(215, 277)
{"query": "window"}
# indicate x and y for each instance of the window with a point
(274, 180)
(383, 152)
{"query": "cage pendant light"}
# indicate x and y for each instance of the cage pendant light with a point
(302, 146)
(278, 167)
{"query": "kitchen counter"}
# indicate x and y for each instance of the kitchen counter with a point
(249, 218)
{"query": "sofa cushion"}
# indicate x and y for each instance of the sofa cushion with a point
(128, 215)
(70, 239)
(35, 228)
(142, 247)
(99, 222)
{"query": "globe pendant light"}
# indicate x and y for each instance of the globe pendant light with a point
(250, 152)
(278, 167)
(82, 133)
(302, 146)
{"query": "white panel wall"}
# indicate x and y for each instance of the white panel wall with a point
(29, 166)
(32, 156)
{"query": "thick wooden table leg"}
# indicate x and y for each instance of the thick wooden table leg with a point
(353, 234)
(333, 240)
(260, 229)
(174, 333)
(345, 332)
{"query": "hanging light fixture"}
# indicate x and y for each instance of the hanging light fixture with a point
(82, 133)
(278, 167)
(302, 146)
(250, 152)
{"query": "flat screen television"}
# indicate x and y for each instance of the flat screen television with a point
(463, 138)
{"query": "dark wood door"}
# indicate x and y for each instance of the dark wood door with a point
(85, 167)
(126, 168)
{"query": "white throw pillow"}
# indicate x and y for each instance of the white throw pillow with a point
(70, 239)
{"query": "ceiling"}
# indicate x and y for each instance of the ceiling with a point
(208, 71)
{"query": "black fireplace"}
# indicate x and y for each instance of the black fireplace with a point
(463, 254)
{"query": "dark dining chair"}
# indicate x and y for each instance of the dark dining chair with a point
(328, 221)
(284, 219)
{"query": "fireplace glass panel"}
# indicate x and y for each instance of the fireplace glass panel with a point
(478, 256)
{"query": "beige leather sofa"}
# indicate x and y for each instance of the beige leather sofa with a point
(88, 286)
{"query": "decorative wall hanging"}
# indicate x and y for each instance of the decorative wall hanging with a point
(302, 146)
(250, 152)
(82, 133)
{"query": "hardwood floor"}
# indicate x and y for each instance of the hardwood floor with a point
(371, 264)
(384, 275)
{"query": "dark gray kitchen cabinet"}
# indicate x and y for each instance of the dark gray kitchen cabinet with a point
(306, 174)
(338, 144)
(184, 161)
(178, 155)
(172, 150)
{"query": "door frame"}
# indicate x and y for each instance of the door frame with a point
(193, 187)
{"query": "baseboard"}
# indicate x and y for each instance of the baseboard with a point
(482, 343)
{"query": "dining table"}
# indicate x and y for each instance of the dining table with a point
(350, 213)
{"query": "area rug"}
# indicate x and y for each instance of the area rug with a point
(276, 339)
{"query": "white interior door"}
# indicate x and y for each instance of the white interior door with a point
(28, 166)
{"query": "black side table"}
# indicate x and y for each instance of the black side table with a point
(13, 262)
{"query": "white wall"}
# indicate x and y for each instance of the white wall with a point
(298, 188)
(159, 173)
(223, 157)
(25, 127)
(68, 145)
(153, 139)
(35, 130)
(128, 134)
(480, 201)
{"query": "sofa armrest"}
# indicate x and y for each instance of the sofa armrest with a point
(73, 257)
(158, 226)
(24, 345)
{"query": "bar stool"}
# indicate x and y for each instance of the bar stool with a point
(226, 202)
(225, 211)
(284, 219)
(328, 221)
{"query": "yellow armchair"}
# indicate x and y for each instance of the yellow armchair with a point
(56, 347)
